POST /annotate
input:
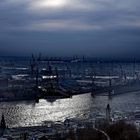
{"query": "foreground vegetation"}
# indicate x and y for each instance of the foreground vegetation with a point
(117, 131)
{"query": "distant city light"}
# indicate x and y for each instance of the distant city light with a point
(49, 77)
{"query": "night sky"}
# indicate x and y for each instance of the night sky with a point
(97, 28)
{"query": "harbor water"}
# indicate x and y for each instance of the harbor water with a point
(80, 107)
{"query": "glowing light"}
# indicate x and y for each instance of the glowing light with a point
(51, 3)
(49, 77)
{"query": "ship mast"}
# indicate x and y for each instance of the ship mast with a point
(93, 85)
(110, 87)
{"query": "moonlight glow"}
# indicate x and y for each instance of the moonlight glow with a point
(51, 3)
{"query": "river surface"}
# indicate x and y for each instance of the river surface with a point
(79, 107)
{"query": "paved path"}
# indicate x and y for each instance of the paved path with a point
(108, 138)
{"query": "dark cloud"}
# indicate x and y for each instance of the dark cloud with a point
(68, 27)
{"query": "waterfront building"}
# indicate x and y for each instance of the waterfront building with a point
(108, 113)
(3, 124)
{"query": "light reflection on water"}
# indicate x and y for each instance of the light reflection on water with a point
(80, 106)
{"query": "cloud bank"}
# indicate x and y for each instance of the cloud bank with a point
(102, 26)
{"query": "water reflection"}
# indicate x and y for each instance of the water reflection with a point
(80, 107)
